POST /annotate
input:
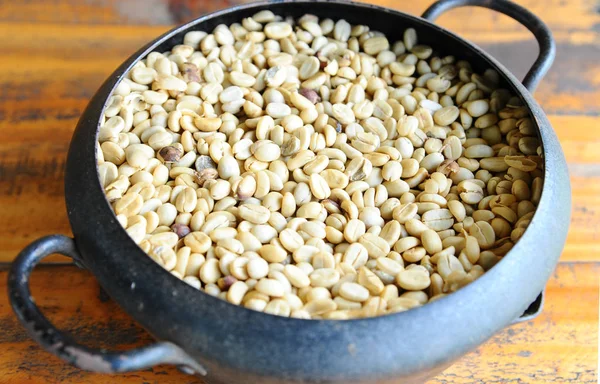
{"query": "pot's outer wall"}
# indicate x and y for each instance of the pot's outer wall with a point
(240, 345)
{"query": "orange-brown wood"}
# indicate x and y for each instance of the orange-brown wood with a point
(559, 346)
(56, 54)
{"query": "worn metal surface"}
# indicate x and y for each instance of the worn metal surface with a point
(559, 346)
(63, 346)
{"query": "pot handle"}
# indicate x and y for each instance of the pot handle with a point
(542, 64)
(542, 33)
(52, 340)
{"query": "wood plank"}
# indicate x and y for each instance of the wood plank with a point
(559, 346)
(578, 138)
(72, 300)
(584, 232)
(58, 52)
(45, 101)
(560, 15)
(133, 12)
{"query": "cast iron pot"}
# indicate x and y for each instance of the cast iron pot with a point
(230, 344)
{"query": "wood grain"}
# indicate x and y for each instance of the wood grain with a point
(57, 53)
(559, 346)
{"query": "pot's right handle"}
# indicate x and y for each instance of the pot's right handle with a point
(42, 331)
(542, 64)
(540, 30)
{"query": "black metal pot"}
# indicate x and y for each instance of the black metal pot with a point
(231, 344)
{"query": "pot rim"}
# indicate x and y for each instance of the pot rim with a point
(537, 115)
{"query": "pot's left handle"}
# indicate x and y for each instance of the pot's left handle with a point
(52, 340)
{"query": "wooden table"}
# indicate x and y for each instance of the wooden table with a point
(56, 54)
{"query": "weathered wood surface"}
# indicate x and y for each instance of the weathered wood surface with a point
(57, 53)
(560, 346)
